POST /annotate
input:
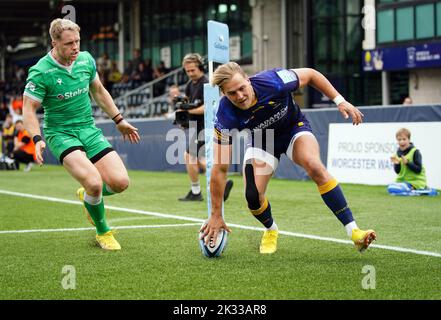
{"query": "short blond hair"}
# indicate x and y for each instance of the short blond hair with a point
(225, 73)
(403, 131)
(59, 25)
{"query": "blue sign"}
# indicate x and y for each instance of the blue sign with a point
(218, 42)
(401, 58)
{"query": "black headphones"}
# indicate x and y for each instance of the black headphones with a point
(194, 58)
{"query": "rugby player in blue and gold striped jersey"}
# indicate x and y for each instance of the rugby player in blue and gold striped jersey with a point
(263, 105)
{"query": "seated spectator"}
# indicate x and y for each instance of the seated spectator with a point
(137, 58)
(162, 68)
(16, 108)
(127, 72)
(408, 164)
(149, 68)
(114, 75)
(8, 136)
(24, 147)
(141, 75)
(4, 111)
(103, 64)
(159, 87)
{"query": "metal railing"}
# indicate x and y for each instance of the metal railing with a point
(141, 102)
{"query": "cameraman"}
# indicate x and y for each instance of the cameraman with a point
(195, 154)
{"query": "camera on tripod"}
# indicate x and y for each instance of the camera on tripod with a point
(182, 104)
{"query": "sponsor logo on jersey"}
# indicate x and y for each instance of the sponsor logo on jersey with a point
(82, 62)
(50, 70)
(60, 97)
(71, 94)
(273, 119)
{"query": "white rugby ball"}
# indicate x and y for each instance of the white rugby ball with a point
(214, 248)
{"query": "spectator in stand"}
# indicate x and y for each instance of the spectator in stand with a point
(407, 101)
(104, 66)
(408, 165)
(159, 87)
(141, 75)
(137, 58)
(8, 130)
(4, 111)
(16, 108)
(114, 75)
(19, 73)
(163, 68)
(127, 72)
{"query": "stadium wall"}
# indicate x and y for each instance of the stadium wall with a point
(161, 139)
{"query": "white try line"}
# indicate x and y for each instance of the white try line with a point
(199, 221)
(92, 228)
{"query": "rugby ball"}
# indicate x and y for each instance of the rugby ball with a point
(214, 248)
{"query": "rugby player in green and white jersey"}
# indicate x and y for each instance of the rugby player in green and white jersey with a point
(60, 82)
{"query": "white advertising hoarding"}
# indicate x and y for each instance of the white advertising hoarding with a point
(361, 154)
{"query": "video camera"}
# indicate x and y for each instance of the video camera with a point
(182, 104)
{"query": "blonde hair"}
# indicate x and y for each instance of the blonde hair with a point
(225, 73)
(403, 131)
(59, 25)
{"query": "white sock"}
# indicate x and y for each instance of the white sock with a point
(273, 227)
(195, 187)
(349, 227)
(92, 200)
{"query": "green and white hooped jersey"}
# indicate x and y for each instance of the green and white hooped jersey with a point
(63, 91)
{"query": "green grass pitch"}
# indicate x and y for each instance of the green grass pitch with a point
(164, 262)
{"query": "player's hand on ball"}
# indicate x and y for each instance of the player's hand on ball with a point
(128, 131)
(213, 226)
(347, 109)
(39, 149)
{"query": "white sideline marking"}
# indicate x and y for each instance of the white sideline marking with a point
(91, 228)
(171, 216)
(129, 219)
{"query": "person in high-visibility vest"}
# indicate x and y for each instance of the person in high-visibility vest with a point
(408, 162)
(408, 165)
(24, 147)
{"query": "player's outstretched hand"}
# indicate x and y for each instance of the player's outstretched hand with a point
(39, 148)
(212, 228)
(347, 109)
(128, 131)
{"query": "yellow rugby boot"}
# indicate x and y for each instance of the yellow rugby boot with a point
(107, 241)
(362, 239)
(268, 243)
